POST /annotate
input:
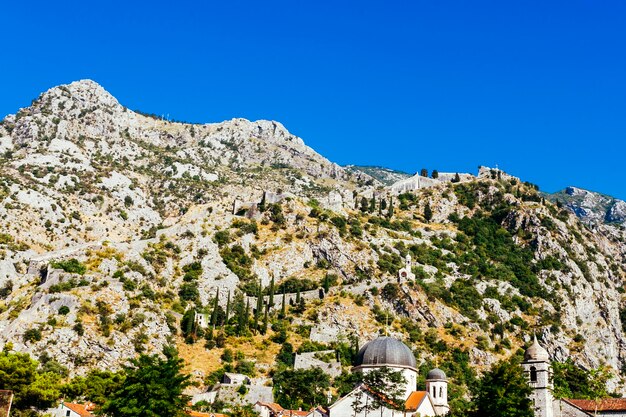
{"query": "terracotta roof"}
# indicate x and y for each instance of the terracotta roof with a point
(299, 413)
(199, 414)
(415, 399)
(80, 409)
(606, 404)
(6, 398)
(272, 406)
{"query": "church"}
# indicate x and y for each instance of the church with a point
(539, 374)
(387, 352)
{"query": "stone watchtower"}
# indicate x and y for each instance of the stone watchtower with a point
(437, 387)
(539, 374)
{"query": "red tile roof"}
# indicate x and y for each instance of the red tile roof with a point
(199, 414)
(415, 399)
(81, 410)
(606, 404)
(298, 413)
(272, 406)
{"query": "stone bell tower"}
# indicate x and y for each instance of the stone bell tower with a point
(538, 372)
(437, 388)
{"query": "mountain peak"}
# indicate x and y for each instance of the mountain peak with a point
(82, 93)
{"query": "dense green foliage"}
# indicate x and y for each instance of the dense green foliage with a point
(303, 388)
(494, 255)
(570, 381)
(71, 265)
(32, 387)
(153, 387)
(503, 392)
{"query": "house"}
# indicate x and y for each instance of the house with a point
(74, 410)
(193, 413)
(606, 406)
(387, 352)
(6, 399)
(539, 375)
(235, 379)
(318, 412)
(268, 409)
(275, 410)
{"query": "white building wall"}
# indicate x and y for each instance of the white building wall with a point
(410, 377)
(438, 391)
(359, 399)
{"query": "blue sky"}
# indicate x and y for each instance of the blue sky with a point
(537, 87)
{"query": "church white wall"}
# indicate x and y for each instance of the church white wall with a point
(358, 399)
(410, 377)
(426, 409)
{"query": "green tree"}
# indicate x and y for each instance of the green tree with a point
(387, 386)
(31, 389)
(372, 207)
(503, 392)
(188, 325)
(97, 386)
(428, 212)
(301, 388)
(364, 205)
(570, 381)
(153, 387)
(457, 178)
(434, 174)
(424, 172)
(390, 211)
(262, 205)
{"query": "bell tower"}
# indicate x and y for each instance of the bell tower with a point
(538, 372)
(437, 388)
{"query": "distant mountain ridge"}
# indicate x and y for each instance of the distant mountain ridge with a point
(385, 175)
(590, 206)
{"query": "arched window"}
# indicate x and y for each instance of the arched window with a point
(533, 374)
(440, 392)
(434, 392)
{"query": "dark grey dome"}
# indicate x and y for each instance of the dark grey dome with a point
(436, 374)
(386, 351)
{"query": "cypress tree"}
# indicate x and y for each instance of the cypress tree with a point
(271, 295)
(364, 204)
(227, 309)
(372, 207)
(215, 307)
(247, 315)
(265, 320)
(262, 203)
(428, 213)
(259, 302)
(390, 211)
(283, 308)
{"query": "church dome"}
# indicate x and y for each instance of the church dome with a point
(536, 353)
(436, 374)
(386, 351)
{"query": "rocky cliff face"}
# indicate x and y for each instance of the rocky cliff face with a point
(592, 207)
(113, 224)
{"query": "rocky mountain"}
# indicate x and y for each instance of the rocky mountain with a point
(591, 207)
(113, 225)
(386, 176)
